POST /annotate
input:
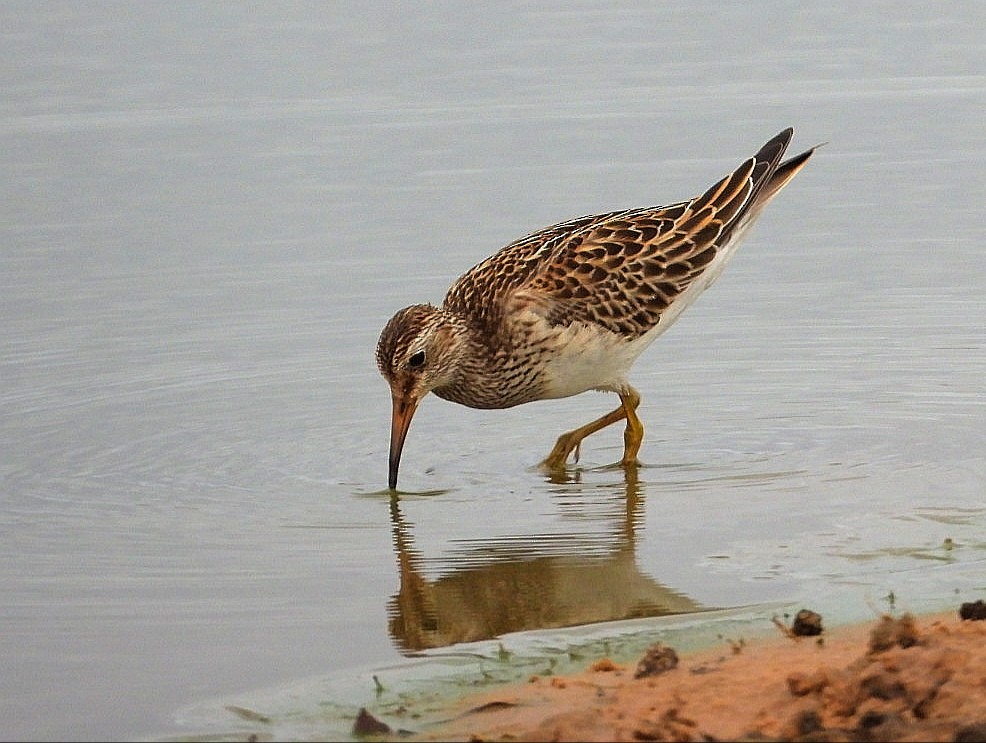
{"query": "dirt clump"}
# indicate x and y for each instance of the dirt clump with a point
(658, 659)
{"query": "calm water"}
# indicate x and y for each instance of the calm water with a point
(209, 211)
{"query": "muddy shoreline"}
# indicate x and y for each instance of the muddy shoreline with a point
(897, 678)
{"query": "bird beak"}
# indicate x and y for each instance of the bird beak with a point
(404, 407)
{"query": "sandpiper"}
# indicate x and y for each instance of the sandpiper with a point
(569, 308)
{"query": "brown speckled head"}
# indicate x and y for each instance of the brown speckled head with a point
(419, 350)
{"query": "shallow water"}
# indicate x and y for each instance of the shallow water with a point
(209, 212)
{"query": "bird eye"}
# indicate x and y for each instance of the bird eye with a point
(417, 360)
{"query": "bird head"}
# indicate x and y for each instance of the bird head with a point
(419, 350)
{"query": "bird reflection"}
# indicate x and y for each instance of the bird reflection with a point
(516, 583)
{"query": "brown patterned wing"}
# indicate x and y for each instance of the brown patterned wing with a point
(480, 293)
(624, 271)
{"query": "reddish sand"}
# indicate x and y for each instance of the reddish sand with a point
(898, 679)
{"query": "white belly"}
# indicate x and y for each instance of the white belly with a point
(585, 357)
(588, 358)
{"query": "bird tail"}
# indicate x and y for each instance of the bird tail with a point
(783, 175)
(767, 176)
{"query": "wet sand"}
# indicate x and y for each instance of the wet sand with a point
(893, 679)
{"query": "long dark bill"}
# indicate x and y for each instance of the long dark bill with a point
(399, 423)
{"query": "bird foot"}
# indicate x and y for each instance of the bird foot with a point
(558, 458)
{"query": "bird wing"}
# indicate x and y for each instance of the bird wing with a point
(480, 293)
(623, 270)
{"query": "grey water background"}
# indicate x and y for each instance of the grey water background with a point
(209, 211)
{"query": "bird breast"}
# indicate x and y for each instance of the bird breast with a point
(581, 356)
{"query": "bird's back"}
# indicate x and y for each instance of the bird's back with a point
(628, 272)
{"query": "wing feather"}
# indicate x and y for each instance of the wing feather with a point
(622, 270)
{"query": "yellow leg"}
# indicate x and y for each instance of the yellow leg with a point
(634, 434)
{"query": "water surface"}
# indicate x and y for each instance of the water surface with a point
(208, 213)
